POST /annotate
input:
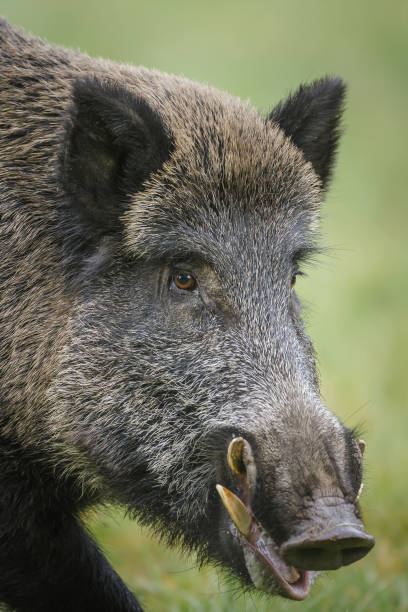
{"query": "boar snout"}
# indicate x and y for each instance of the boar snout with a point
(285, 548)
(335, 538)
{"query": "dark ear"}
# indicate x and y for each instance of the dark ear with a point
(311, 117)
(114, 141)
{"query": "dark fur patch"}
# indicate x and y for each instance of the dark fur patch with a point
(48, 561)
(114, 142)
(110, 177)
(311, 117)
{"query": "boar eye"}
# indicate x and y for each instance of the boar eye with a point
(183, 281)
(296, 272)
(293, 278)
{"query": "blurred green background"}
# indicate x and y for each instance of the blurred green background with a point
(357, 296)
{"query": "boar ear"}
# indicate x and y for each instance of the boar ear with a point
(311, 118)
(114, 142)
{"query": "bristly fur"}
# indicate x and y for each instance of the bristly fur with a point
(310, 117)
(115, 141)
(117, 386)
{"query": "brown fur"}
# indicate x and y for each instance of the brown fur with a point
(35, 91)
(116, 386)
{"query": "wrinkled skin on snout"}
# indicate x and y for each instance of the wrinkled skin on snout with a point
(154, 351)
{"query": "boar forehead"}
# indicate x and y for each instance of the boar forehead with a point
(230, 170)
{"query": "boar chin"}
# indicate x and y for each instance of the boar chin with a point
(265, 566)
(330, 534)
(270, 573)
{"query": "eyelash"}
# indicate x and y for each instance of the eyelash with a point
(189, 283)
(296, 272)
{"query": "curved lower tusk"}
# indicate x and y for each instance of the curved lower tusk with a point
(250, 467)
(235, 456)
(236, 509)
(359, 492)
(241, 460)
(362, 446)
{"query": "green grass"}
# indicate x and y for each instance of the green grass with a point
(359, 294)
(164, 580)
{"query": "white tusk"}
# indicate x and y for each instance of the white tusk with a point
(236, 509)
(360, 491)
(234, 456)
(362, 446)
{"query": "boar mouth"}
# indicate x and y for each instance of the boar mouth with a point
(265, 565)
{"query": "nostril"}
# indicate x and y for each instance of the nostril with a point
(344, 546)
(313, 558)
(350, 555)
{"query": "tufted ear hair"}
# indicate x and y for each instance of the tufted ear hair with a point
(311, 118)
(114, 142)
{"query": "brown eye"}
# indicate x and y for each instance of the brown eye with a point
(296, 272)
(184, 281)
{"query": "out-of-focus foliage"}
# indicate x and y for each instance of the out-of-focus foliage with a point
(358, 294)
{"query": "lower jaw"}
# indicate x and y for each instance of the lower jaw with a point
(265, 575)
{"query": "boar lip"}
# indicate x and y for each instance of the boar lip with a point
(252, 536)
(269, 556)
(257, 540)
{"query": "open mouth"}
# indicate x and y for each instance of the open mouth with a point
(265, 565)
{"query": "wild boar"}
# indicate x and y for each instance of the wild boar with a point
(152, 349)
